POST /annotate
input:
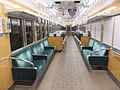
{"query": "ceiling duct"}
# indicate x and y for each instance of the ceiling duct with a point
(57, 2)
(76, 1)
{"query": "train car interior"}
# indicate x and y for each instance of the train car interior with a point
(59, 44)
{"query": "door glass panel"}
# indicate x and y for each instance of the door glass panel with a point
(16, 36)
(38, 31)
(29, 32)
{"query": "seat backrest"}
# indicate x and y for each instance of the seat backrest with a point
(36, 49)
(91, 42)
(41, 46)
(103, 52)
(96, 45)
(45, 42)
(25, 55)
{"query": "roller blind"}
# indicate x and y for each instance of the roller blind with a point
(116, 40)
(108, 31)
(98, 31)
(93, 30)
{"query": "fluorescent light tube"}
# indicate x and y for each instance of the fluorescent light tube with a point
(7, 7)
(9, 3)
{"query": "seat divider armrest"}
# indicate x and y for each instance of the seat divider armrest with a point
(40, 57)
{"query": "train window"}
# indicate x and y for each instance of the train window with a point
(16, 36)
(29, 32)
(38, 31)
(43, 31)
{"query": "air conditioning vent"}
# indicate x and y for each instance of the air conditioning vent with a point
(57, 2)
(76, 1)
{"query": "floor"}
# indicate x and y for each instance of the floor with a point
(68, 72)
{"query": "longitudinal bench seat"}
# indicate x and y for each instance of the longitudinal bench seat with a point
(32, 62)
(39, 50)
(96, 54)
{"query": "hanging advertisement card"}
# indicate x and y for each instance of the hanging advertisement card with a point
(1, 31)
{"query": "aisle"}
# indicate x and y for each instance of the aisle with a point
(68, 72)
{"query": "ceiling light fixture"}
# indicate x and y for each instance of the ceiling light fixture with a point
(29, 12)
(9, 3)
(107, 10)
(7, 7)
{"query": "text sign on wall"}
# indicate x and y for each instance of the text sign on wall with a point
(1, 31)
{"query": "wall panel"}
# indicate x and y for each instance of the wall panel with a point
(108, 31)
(116, 40)
(98, 31)
(93, 30)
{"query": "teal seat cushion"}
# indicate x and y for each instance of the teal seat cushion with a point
(103, 52)
(37, 49)
(45, 42)
(41, 46)
(40, 64)
(81, 47)
(48, 52)
(96, 46)
(91, 42)
(96, 54)
(87, 53)
(25, 55)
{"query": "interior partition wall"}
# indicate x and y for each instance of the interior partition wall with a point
(98, 30)
(93, 30)
(116, 36)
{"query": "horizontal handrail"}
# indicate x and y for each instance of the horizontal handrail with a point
(14, 58)
(115, 52)
(77, 39)
(18, 50)
(4, 59)
(64, 40)
(99, 50)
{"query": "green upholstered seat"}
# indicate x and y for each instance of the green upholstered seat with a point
(48, 52)
(23, 71)
(45, 42)
(91, 42)
(25, 55)
(86, 53)
(96, 59)
(38, 49)
(46, 45)
(100, 53)
(96, 45)
(39, 64)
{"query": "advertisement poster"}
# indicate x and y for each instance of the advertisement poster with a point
(1, 31)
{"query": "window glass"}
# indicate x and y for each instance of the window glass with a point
(16, 36)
